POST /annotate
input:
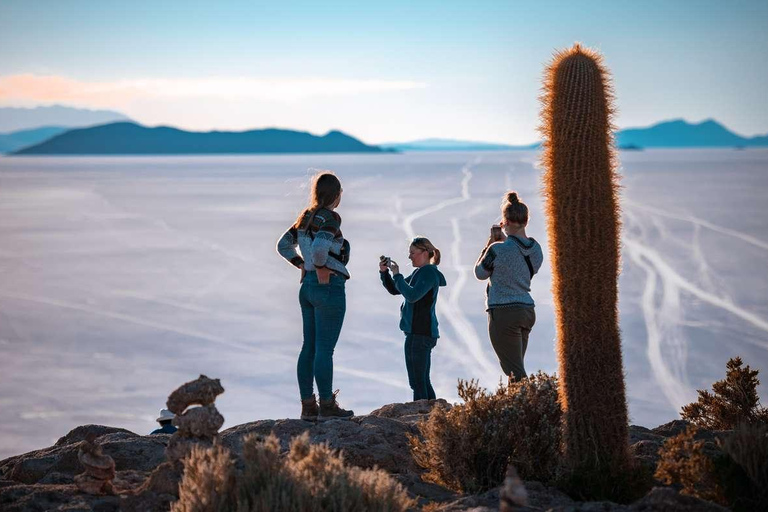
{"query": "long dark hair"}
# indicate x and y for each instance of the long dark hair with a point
(324, 191)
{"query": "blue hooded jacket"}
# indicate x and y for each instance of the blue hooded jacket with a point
(417, 313)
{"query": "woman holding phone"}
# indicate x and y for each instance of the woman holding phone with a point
(417, 313)
(509, 260)
(322, 296)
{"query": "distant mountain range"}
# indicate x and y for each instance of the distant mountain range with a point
(15, 119)
(10, 142)
(677, 133)
(681, 134)
(452, 145)
(134, 139)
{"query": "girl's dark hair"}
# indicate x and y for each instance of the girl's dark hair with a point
(513, 210)
(324, 191)
(425, 245)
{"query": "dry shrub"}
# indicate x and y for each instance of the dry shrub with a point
(209, 481)
(684, 463)
(747, 447)
(734, 400)
(469, 447)
(310, 478)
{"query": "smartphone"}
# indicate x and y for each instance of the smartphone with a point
(496, 232)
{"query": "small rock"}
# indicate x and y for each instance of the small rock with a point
(92, 485)
(200, 422)
(78, 434)
(202, 391)
(672, 428)
(180, 446)
(99, 468)
(410, 412)
(164, 480)
(666, 499)
(513, 493)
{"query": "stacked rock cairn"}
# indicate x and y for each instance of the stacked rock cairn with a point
(99, 468)
(196, 425)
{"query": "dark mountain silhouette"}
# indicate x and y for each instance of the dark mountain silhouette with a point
(16, 140)
(134, 139)
(679, 133)
(15, 119)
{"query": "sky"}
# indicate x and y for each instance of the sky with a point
(382, 71)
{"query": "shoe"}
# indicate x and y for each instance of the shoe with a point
(309, 409)
(330, 410)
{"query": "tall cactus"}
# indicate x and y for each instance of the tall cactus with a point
(583, 223)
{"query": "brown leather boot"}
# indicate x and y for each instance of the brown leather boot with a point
(309, 409)
(330, 410)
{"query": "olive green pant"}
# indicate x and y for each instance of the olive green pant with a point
(508, 328)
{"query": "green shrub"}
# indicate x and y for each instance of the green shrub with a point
(734, 400)
(311, 478)
(469, 447)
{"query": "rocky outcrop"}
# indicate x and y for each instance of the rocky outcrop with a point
(58, 464)
(145, 480)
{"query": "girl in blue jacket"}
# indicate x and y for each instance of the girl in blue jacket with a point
(417, 313)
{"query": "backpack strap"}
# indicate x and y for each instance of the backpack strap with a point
(530, 265)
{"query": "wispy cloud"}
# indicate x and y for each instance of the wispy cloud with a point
(54, 88)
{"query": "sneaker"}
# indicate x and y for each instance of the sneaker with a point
(309, 409)
(329, 410)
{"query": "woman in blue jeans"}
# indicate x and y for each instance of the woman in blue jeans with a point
(417, 314)
(323, 259)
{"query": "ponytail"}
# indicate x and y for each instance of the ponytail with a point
(424, 244)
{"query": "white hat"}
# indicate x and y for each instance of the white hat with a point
(165, 414)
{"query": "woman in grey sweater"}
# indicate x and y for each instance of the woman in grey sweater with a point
(322, 262)
(509, 260)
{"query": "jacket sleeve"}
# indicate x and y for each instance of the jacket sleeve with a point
(389, 284)
(329, 225)
(537, 258)
(286, 247)
(418, 287)
(484, 265)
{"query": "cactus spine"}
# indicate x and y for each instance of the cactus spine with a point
(583, 223)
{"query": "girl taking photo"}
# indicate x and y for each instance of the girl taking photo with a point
(509, 261)
(417, 313)
(322, 297)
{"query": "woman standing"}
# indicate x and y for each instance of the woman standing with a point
(509, 260)
(323, 259)
(417, 313)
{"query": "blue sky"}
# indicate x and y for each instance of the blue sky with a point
(382, 71)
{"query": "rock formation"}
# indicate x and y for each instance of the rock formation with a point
(99, 468)
(199, 425)
(513, 493)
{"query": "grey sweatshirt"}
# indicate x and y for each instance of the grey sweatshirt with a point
(504, 263)
(317, 243)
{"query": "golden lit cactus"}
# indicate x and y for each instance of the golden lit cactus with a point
(581, 188)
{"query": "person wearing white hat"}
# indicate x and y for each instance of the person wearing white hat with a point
(165, 419)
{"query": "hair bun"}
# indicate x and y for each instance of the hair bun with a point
(512, 197)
